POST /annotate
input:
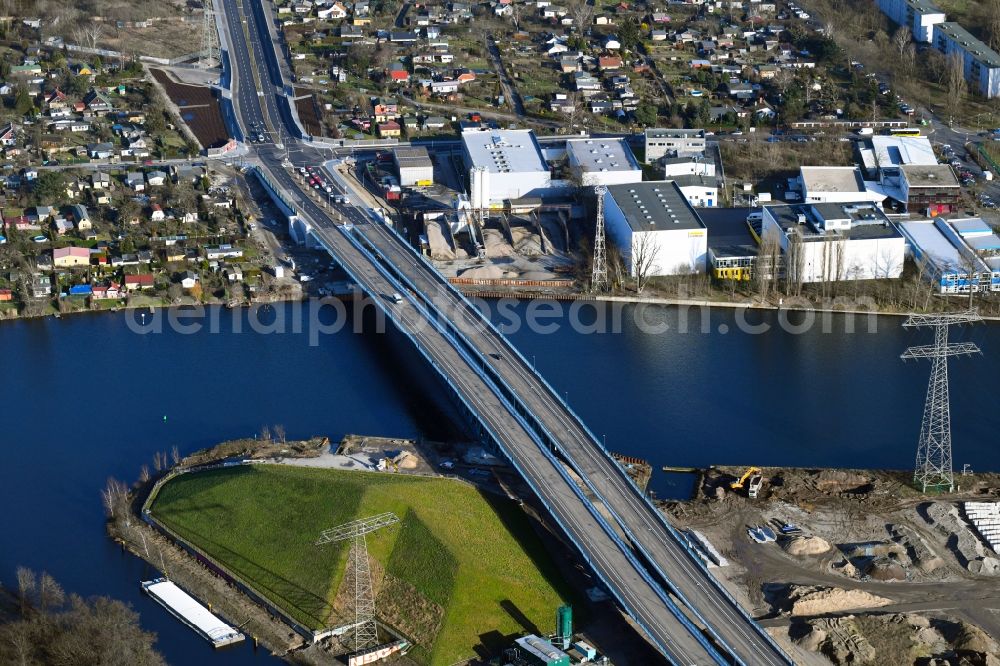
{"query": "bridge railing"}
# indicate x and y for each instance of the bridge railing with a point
(484, 422)
(651, 508)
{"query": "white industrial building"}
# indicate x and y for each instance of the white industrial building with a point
(602, 161)
(415, 166)
(700, 191)
(653, 224)
(693, 165)
(980, 62)
(665, 142)
(503, 164)
(947, 261)
(826, 242)
(920, 16)
(839, 184)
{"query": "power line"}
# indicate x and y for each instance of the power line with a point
(934, 465)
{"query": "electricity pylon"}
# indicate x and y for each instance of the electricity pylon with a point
(934, 468)
(599, 276)
(209, 53)
(365, 628)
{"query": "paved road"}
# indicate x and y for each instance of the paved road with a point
(512, 95)
(490, 377)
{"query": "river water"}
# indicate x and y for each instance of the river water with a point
(86, 397)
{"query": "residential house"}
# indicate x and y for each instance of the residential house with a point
(389, 129)
(68, 257)
(435, 123)
(100, 151)
(107, 291)
(156, 213)
(41, 286)
(8, 135)
(156, 178)
(81, 217)
(609, 62)
(188, 279)
(224, 251)
(61, 225)
(136, 282)
(385, 109)
(135, 180)
(97, 102)
(398, 73)
(233, 273)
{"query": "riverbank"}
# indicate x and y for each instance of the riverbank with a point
(799, 305)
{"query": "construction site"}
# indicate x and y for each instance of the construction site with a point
(860, 566)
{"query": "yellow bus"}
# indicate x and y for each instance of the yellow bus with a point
(904, 131)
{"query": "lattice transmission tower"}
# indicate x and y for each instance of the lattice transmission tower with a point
(934, 467)
(208, 56)
(365, 627)
(599, 276)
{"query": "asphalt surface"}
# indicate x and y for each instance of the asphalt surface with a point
(464, 348)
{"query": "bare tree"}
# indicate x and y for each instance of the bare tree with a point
(175, 455)
(992, 10)
(116, 502)
(144, 475)
(89, 34)
(765, 270)
(265, 433)
(582, 12)
(50, 593)
(901, 39)
(956, 82)
(27, 584)
(279, 432)
(795, 265)
(644, 251)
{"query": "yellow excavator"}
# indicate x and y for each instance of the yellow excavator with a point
(756, 480)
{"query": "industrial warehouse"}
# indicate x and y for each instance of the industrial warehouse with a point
(509, 206)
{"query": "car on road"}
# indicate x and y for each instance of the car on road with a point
(395, 297)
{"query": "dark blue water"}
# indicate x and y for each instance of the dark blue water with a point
(84, 399)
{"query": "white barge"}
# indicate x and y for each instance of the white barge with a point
(189, 610)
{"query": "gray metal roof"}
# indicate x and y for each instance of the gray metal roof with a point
(655, 206)
(974, 47)
(412, 156)
(602, 155)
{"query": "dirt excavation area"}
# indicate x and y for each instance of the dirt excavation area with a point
(854, 566)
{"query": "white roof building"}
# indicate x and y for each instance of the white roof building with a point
(603, 161)
(840, 184)
(503, 164)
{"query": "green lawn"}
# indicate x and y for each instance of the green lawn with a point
(463, 569)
